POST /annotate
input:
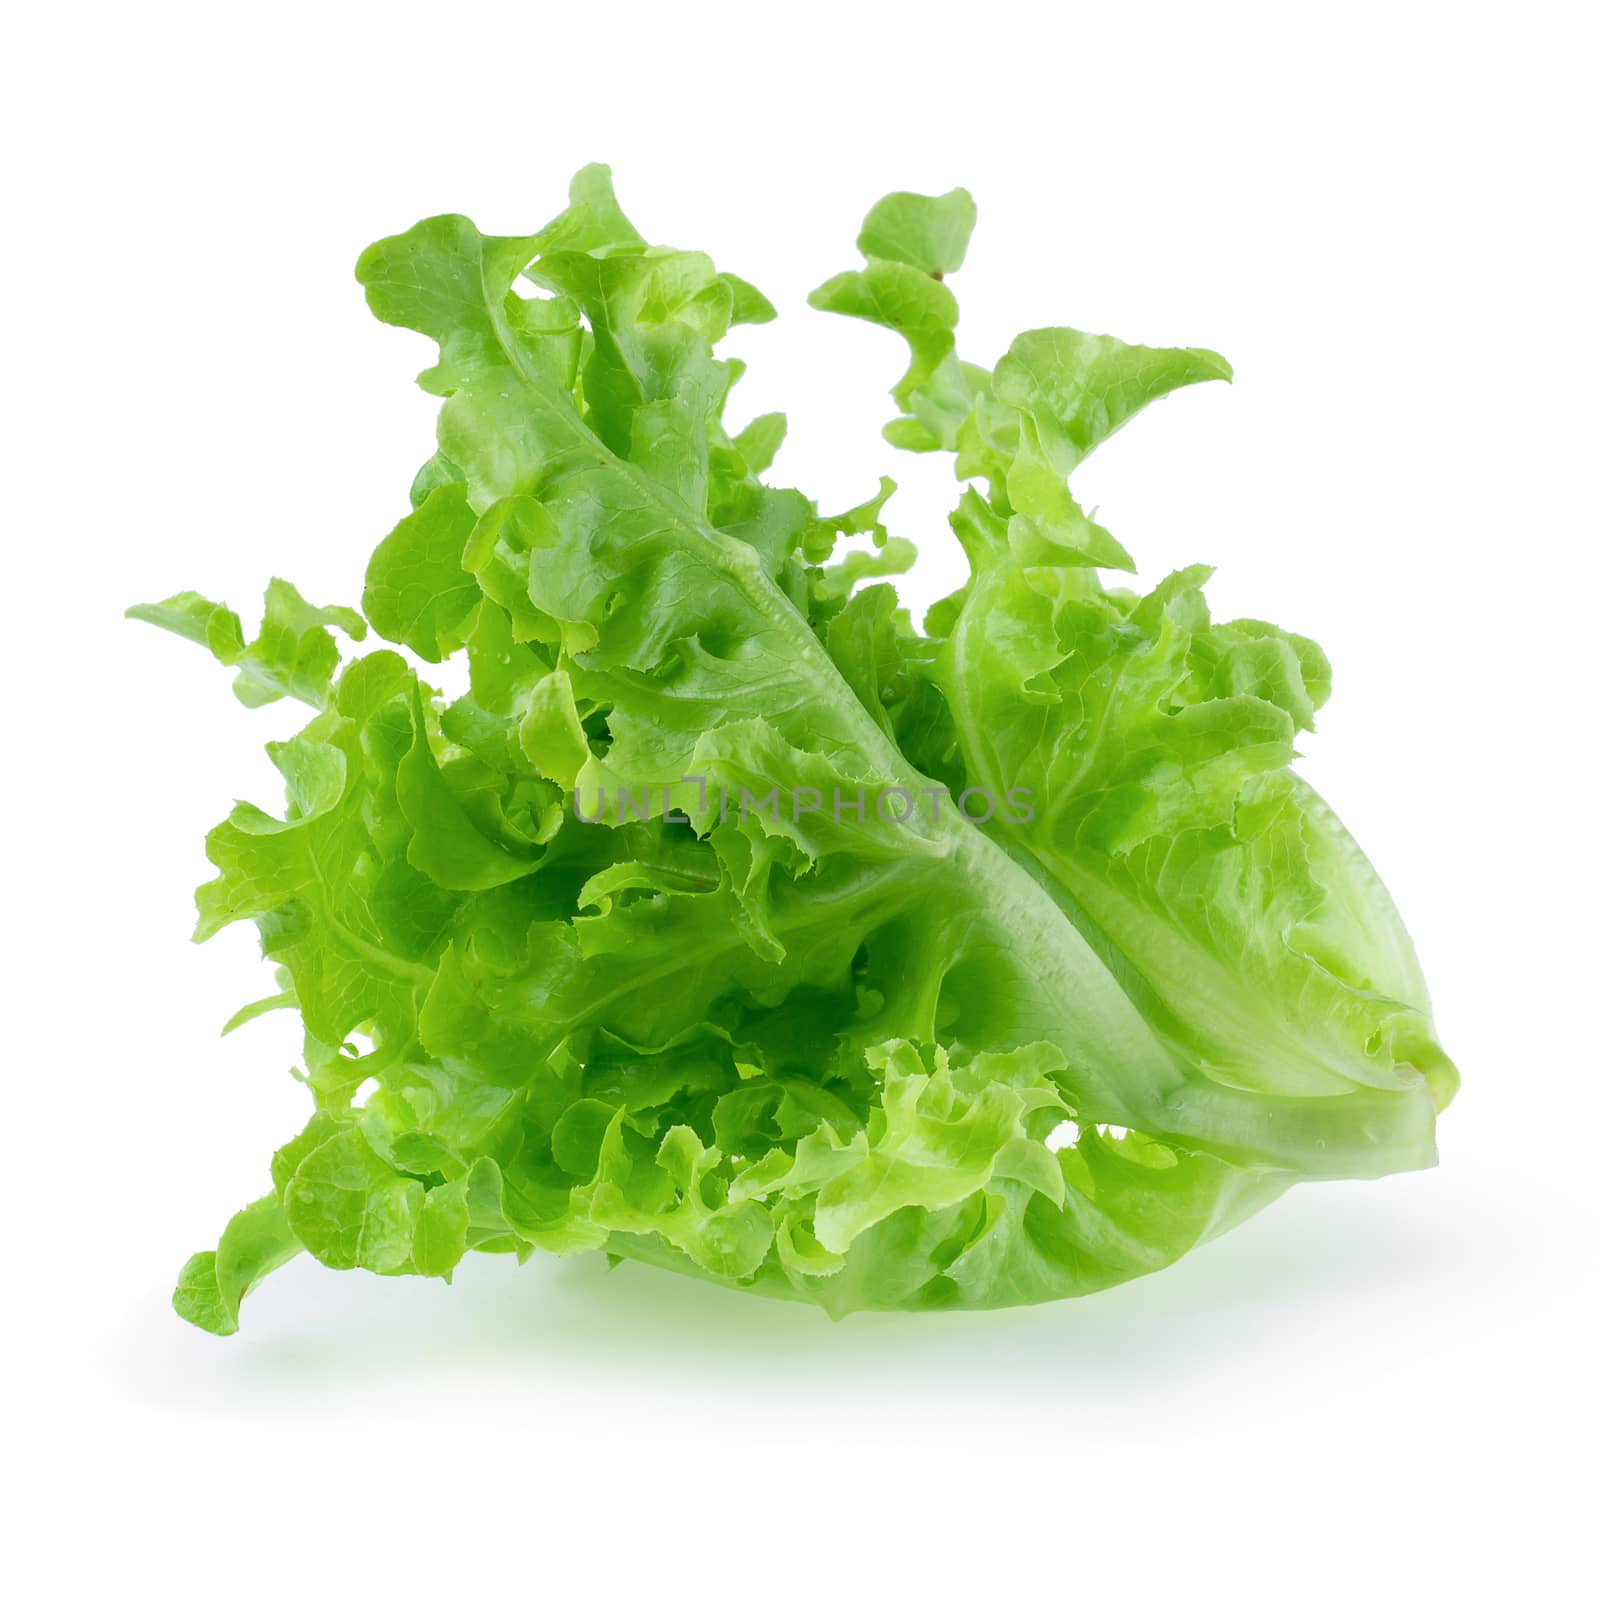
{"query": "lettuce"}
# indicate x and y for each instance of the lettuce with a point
(729, 922)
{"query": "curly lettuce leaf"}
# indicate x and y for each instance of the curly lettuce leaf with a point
(668, 938)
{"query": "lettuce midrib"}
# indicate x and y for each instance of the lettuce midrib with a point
(983, 865)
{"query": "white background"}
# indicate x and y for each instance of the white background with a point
(1381, 216)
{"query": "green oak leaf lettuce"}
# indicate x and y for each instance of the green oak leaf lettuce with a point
(676, 936)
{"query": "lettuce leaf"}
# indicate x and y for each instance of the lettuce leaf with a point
(730, 923)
